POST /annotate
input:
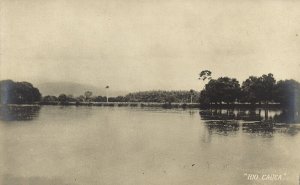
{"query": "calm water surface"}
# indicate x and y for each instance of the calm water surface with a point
(54, 145)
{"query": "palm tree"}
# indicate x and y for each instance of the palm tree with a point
(205, 74)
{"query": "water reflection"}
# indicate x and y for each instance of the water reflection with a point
(222, 127)
(276, 116)
(287, 117)
(254, 122)
(269, 128)
(18, 113)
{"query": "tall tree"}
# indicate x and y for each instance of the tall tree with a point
(268, 87)
(205, 75)
(251, 88)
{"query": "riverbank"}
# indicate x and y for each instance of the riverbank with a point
(163, 105)
(127, 104)
(157, 105)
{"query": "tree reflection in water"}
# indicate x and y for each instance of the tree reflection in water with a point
(256, 121)
(19, 113)
(222, 127)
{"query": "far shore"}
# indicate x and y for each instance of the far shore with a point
(154, 104)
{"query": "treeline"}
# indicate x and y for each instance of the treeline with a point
(64, 99)
(25, 93)
(18, 93)
(224, 90)
(254, 90)
(164, 96)
(145, 96)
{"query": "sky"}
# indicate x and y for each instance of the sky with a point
(134, 45)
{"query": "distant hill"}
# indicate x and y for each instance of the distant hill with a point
(76, 89)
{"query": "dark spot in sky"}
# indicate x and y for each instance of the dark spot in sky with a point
(193, 164)
(296, 35)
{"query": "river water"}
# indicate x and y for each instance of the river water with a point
(53, 145)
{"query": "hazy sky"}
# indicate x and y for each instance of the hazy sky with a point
(152, 44)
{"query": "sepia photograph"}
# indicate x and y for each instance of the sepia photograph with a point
(149, 92)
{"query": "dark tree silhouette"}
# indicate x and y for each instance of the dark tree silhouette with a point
(258, 89)
(49, 98)
(250, 90)
(18, 92)
(268, 87)
(224, 89)
(205, 74)
(287, 93)
(62, 98)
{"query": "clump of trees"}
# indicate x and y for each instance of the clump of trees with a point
(287, 92)
(86, 97)
(18, 93)
(65, 99)
(254, 90)
(223, 89)
(145, 96)
(259, 89)
(163, 96)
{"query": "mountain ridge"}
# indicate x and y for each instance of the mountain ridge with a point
(75, 89)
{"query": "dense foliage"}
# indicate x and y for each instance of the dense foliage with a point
(254, 90)
(263, 89)
(144, 96)
(18, 92)
(223, 89)
(164, 96)
(258, 89)
(287, 93)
